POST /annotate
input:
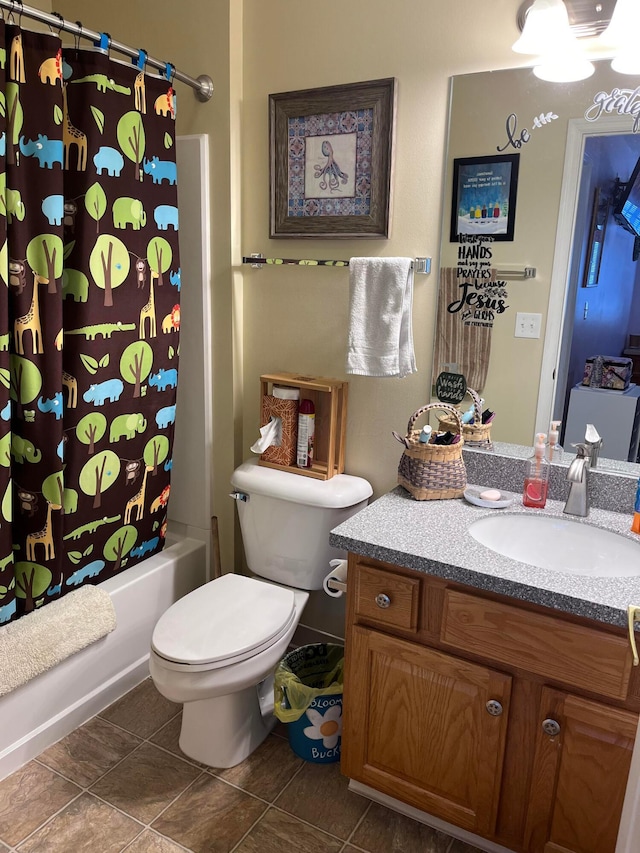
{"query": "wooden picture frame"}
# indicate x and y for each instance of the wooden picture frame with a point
(595, 244)
(483, 200)
(331, 155)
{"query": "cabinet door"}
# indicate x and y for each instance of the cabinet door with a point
(579, 775)
(418, 727)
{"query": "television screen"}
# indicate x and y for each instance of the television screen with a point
(627, 211)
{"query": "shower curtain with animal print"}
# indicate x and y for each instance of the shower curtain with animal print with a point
(89, 316)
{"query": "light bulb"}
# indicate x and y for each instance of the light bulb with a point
(546, 24)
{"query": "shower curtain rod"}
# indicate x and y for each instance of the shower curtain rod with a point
(203, 84)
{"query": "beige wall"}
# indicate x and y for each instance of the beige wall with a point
(295, 319)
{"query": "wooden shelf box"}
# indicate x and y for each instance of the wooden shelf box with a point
(329, 397)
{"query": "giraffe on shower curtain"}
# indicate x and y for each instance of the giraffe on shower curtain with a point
(89, 316)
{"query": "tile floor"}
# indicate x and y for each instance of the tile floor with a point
(120, 783)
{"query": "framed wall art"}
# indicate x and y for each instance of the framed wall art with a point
(484, 197)
(331, 160)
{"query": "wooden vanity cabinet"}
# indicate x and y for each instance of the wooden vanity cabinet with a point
(513, 722)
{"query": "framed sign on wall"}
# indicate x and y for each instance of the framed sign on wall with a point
(484, 197)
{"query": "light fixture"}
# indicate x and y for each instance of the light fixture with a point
(622, 35)
(547, 32)
(546, 24)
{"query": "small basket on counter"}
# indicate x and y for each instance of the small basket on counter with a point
(432, 471)
(475, 434)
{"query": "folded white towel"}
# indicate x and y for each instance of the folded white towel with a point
(380, 341)
(50, 634)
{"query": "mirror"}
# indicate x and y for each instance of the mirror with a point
(522, 341)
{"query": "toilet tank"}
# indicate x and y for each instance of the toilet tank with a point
(286, 519)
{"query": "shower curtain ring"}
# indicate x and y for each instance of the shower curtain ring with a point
(10, 18)
(77, 36)
(142, 59)
(104, 43)
(21, 4)
(61, 19)
(169, 72)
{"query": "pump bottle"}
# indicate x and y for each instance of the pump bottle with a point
(555, 450)
(536, 483)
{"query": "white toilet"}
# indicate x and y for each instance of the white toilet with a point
(215, 650)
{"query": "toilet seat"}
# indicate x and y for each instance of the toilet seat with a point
(226, 621)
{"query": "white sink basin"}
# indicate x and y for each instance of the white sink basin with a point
(559, 544)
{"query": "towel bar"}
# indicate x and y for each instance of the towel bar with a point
(419, 265)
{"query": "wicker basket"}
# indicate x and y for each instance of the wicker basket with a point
(432, 471)
(476, 434)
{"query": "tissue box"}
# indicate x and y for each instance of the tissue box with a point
(607, 371)
(287, 412)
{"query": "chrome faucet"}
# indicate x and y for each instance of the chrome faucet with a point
(593, 442)
(578, 476)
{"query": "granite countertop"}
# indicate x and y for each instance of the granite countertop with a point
(432, 537)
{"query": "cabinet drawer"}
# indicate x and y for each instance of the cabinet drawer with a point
(545, 645)
(401, 595)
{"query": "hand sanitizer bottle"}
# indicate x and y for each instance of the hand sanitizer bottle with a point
(536, 483)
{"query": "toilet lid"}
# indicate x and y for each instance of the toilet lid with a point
(231, 617)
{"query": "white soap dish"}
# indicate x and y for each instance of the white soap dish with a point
(472, 494)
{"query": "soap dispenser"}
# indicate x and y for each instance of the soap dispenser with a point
(555, 450)
(536, 482)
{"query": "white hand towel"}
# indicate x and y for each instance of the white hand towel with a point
(380, 341)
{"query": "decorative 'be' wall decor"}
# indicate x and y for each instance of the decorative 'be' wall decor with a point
(330, 160)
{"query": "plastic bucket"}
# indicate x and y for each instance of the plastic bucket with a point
(308, 698)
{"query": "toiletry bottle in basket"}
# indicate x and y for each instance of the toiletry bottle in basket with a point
(306, 430)
(536, 483)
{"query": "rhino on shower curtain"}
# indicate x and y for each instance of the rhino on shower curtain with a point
(89, 319)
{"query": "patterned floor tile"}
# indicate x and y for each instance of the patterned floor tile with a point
(319, 795)
(210, 817)
(386, 831)
(168, 738)
(89, 752)
(28, 797)
(146, 782)
(277, 831)
(142, 711)
(266, 771)
(85, 824)
(150, 842)
(461, 847)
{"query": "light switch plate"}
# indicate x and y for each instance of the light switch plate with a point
(528, 325)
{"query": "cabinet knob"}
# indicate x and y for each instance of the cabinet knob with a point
(383, 600)
(551, 727)
(494, 707)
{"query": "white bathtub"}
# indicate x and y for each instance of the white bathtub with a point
(50, 706)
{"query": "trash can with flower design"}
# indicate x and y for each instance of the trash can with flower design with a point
(308, 686)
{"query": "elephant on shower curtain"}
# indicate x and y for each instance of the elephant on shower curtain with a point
(89, 316)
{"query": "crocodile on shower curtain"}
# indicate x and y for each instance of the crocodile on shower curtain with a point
(89, 316)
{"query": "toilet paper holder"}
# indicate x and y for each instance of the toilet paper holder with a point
(335, 583)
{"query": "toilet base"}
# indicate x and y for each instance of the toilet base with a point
(223, 731)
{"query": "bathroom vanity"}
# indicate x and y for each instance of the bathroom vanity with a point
(493, 696)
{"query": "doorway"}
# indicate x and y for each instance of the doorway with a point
(594, 304)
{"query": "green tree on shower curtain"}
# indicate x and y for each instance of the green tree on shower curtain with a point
(89, 317)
